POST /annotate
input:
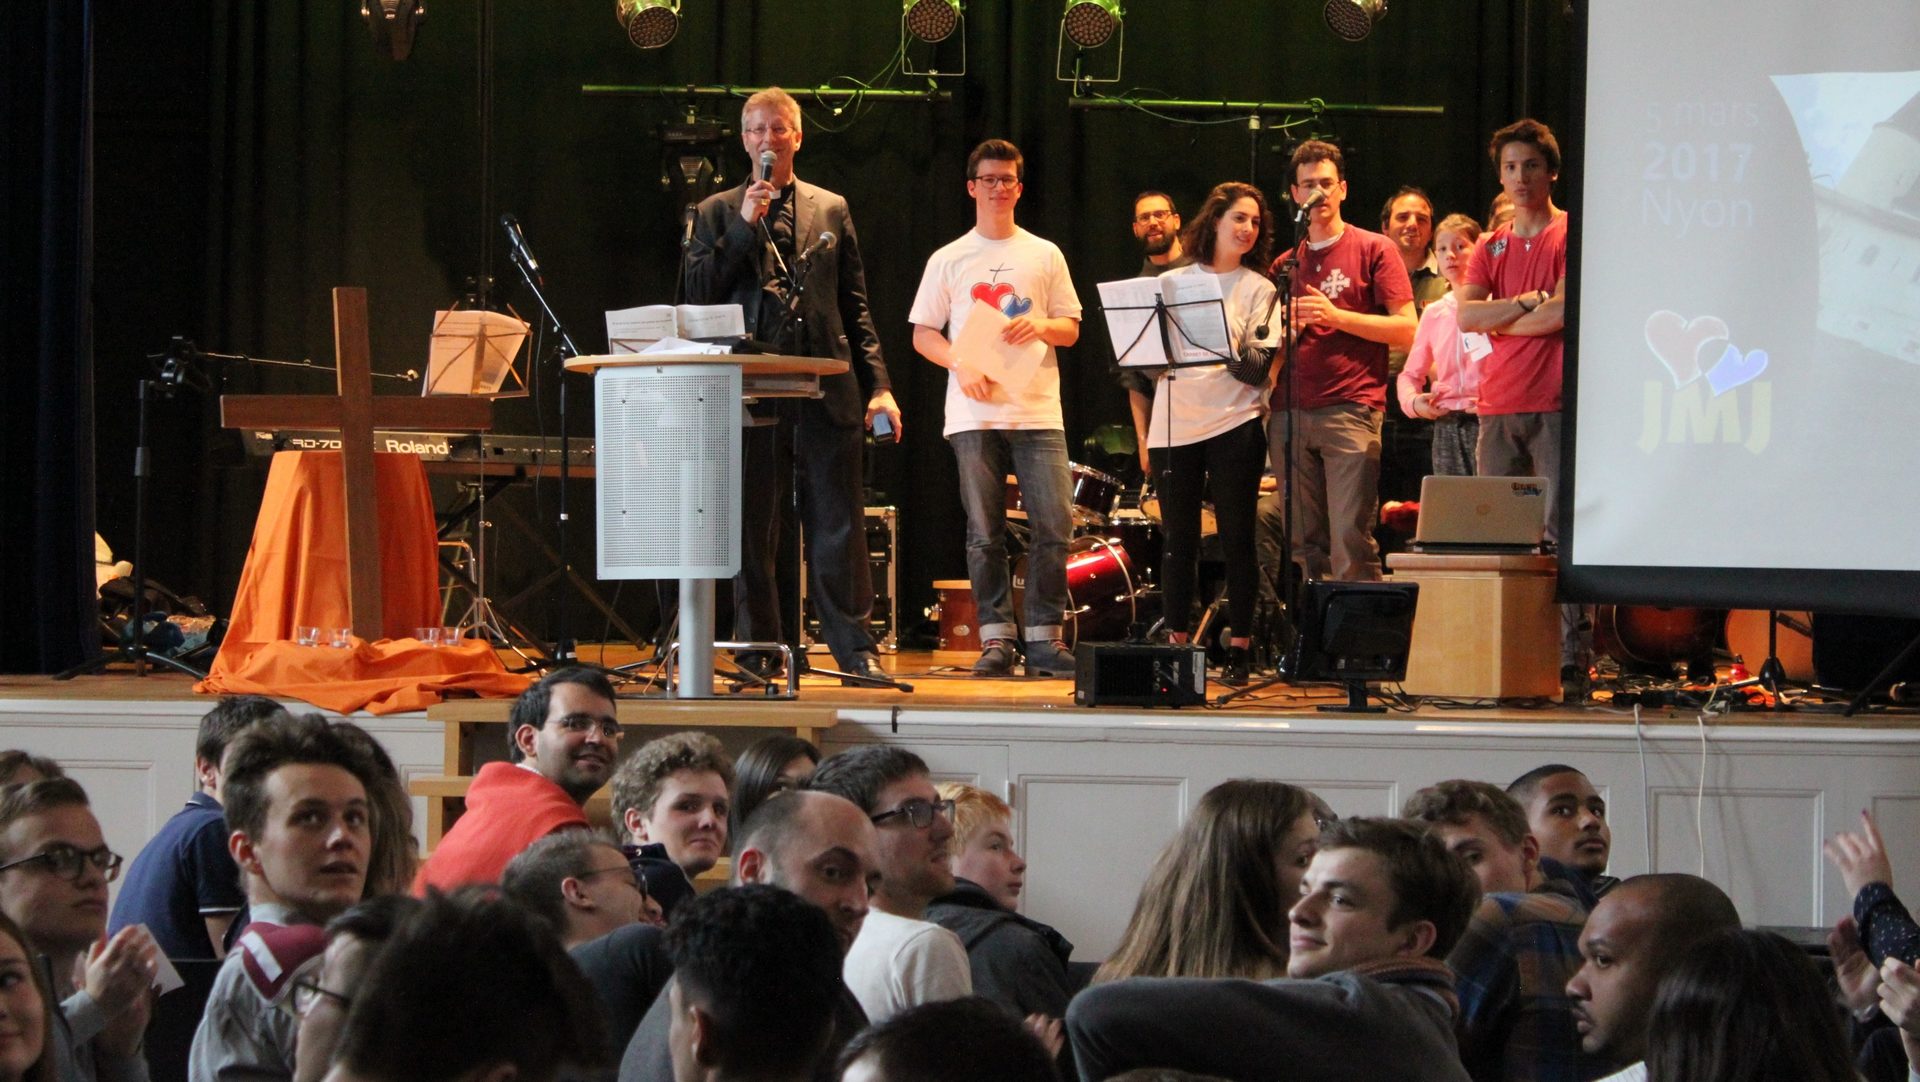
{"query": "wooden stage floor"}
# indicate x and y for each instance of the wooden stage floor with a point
(942, 682)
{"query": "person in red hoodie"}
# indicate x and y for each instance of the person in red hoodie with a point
(562, 740)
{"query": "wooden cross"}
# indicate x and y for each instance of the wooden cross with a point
(356, 413)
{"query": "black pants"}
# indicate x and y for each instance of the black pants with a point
(840, 579)
(1227, 468)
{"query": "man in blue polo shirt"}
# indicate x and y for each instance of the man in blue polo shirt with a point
(184, 885)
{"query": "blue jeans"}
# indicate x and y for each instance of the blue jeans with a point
(1038, 457)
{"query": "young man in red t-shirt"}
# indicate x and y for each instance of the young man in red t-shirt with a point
(1351, 303)
(1516, 292)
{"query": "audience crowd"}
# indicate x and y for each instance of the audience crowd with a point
(871, 930)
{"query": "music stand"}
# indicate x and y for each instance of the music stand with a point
(472, 352)
(1191, 354)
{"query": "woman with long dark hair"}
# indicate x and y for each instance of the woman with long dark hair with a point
(1206, 433)
(765, 768)
(1745, 1006)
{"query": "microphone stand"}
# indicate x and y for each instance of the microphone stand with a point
(1289, 593)
(564, 652)
(133, 646)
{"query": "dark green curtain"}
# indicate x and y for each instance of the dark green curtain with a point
(46, 412)
(321, 164)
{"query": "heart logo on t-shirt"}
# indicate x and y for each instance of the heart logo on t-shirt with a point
(991, 292)
(1016, 306)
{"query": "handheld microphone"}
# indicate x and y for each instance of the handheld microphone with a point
(822, 243)
(1318, 197)
(521, 252)
(766, 165)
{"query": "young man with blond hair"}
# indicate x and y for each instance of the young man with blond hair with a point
(670, 803)
(1016, 962)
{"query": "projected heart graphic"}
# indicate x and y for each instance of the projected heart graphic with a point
(991, 292)
(1677, 342)
(1734, 368)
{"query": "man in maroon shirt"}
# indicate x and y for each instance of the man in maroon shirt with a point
(1516, 292)
(1351, 303)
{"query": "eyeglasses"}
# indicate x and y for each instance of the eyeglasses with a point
(1146, 216)
(70, 863)
(995, 181)
(586, 723)
(308, 992)
(632, 876)
(778, 131)
(918, 812)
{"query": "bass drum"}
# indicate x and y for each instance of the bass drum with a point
(1100, 590)
(1093, 495)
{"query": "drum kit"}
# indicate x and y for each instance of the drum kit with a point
(1113, 564)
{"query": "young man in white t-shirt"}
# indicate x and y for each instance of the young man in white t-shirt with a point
(996, 428)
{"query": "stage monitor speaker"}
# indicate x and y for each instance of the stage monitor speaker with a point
(1139, 674)
(1848, 651)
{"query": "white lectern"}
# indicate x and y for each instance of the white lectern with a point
(667, 473)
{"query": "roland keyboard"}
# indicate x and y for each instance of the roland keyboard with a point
(455, 447)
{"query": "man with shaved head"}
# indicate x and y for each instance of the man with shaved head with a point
(819, 846)
(1635, 935)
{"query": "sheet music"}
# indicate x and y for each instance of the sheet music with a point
(711, 321)
(1128, 306)
(981, 348)
(683, 346)
(471, 351)
(631, 330)
(1200, 334)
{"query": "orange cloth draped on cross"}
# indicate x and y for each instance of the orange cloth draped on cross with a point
(296, 575)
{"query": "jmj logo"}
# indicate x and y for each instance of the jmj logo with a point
(1716, 395)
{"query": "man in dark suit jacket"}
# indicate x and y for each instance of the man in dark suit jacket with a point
(732, 261)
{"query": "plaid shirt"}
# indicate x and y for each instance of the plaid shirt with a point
(1511, 968)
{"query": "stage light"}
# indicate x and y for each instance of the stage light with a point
(1353, 19)
(650, 23)
(1089, 23)
(931, 20)
(393, 24)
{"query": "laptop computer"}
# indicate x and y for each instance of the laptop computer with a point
(1481, 514)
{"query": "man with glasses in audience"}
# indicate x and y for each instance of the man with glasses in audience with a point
(758, 245)
(304, 836)
(900, 960)
(584, 887)
(999, 428)
(54, 871)
(562, 740)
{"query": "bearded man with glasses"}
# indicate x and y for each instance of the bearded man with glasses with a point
(54, 871)
(899, 959)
